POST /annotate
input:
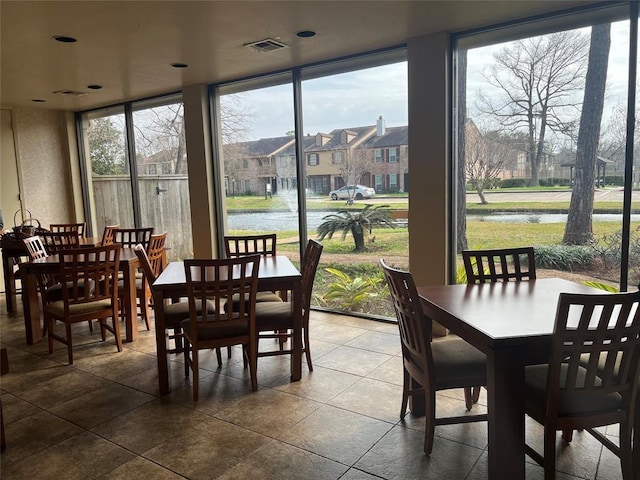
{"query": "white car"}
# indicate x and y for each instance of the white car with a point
(357, 192)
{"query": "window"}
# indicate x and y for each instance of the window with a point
(152, 169)
(378, 155)
(378, 182)
(337, 157)
(166, 168)
(247, 186)
(393, 182)
(312, 159)
(245, 163)
(393, 158)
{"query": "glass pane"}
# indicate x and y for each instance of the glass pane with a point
(163, 182)
(109, 176)
(540, 146)
(257, 128)
(356, 152)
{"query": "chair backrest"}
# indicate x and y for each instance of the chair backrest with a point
(35, 247)
(54, 242)
(239, 245)
(499, 265)
(308, 270)
(95, 266)
(415, 328)
(149, 272)
(156, 254)
(596, 349)
(81, 228)
(108, 234)
(217, 280)
(130, 237)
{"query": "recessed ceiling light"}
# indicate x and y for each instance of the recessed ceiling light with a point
(179, 65)
(94, 87)
(306, 33)
(64, 39)
(38, 100)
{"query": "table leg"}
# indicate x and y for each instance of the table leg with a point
(164, 378)
(31, 307)
(130, 305)
(296, 356)
(505, 396)
(9, 282)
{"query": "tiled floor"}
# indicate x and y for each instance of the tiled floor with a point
(104, 418)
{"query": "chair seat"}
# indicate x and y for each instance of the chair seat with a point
(457, 364)
(261, 297)
(209, 331)
(175, 313)
(139, 283)
(57, 308)
(274, 315)
(568, 405)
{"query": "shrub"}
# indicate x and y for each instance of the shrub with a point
(349, 293)
(514, 183)
(564, 257)
(617, 180)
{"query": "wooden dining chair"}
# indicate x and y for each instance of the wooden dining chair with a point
(108, 234)
(591, 379)
(157, 255)
(499, 265)
(54, 242)
(81, 228)
(429, 366)
(240, 245)
(276, 319)
(215, 281)
(130, 237)
(97, 267)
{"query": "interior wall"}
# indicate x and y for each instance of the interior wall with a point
(429, 219)
(42, 151)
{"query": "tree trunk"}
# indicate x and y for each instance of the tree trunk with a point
(480, 193)
(461, 184)
(358, 237)
(579, 228)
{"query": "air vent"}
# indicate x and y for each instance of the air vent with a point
(266, 45)
(73, 93)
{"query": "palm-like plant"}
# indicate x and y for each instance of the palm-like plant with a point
(356, 223)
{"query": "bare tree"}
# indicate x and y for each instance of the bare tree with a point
(487, 155)
(355, 162)
(579, 227)
(163, 132)
(613, 138)
(537, 79)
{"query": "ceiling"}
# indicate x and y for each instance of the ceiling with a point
(127, 46)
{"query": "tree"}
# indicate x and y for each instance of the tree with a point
(461, 178)
(579, 228)
(356, 223)
(536, 80)
(106, 147)
(353, 164)
(163, 132)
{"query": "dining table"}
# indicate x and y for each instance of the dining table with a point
(129, 265)
(276, 273)
(512, 323)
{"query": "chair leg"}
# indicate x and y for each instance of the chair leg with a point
(195, 367)
(468, 398)
(144, 306)
(3, 442)
(549, 452)
(67, 326)
(187, 361)
(50, 322)
(219, 356)
(405, 393)
(567, 435)
(430, 416)
(626, 453)
(228, 352)
(307, 350)
(116, 332)
(476, 394)
(253, 367)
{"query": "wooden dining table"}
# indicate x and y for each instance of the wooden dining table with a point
(512, 323)
(129, 264)
(276, 273)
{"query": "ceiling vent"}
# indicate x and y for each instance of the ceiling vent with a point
(72, 93)
(266, 45)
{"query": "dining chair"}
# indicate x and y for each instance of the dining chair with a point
(215, 281)
(130, 237)
(108, 234)
(174, 313)
(54, 242)
(157, 254)
(276, 319)
(429, 366)
(499, 265)
(79, 268)
(591, 379)
(81, 228)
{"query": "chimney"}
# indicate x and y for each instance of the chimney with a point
(380, 130)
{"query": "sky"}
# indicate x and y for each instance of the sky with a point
(358, 98)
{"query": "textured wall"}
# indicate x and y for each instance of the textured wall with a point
(42, 151)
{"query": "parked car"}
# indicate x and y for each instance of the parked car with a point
(357, 192)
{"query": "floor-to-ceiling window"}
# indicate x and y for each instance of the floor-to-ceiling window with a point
(348, 161)
(540, 131)
(137, 170)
